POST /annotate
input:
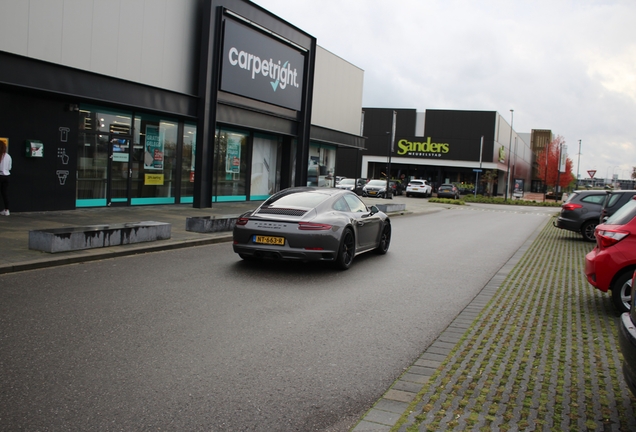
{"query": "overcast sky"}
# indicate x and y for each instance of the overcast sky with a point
(567, 66)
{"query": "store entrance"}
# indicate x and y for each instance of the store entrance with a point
(120, 171)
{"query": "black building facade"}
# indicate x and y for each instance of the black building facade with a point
(441, 146)
(238, 128)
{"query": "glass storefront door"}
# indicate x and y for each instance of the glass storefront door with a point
(120, 171)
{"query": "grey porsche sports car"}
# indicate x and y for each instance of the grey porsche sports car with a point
(312, 224)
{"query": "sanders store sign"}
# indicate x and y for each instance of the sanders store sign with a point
(452, 148)
(259, 67)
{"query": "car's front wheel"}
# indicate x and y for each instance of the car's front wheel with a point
(347, 250)
(385, 239)
(622, 292)
(587, 230)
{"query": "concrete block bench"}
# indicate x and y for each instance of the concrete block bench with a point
(97, 236)
(391, 208)
(207, 224)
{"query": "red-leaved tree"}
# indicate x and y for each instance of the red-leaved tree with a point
(548, 161)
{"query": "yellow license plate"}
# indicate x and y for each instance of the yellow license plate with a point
(269, 240)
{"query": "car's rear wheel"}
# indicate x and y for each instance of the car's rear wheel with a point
(347, 250)
(385, 239)
(622, 292)
(587, 230)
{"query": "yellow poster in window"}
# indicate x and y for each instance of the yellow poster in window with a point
(153, 179)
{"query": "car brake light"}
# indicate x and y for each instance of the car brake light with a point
(310, 226)
(609, 238)
(570, 206)
(242, 221)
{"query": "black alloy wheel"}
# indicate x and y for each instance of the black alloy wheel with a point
(622, 292)
(347, 250)
(587, 231)
(385, 239)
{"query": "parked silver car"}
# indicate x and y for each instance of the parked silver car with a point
(354, 185)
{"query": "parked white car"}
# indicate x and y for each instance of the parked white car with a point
(419, 188)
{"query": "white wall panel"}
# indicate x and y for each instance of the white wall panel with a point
(105, 29)
(337, 98)
(76, 34)
(45, 29)
(14, 31)
(152, 42)
(129, 40)
(152, 50)
(181, 43)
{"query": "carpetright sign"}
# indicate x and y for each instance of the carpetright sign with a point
(260, 67)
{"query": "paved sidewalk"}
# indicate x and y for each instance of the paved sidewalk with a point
(14, 232)
(537, 349)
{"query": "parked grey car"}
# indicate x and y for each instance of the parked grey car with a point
(615, 200)
(581, 212)
(448, 190)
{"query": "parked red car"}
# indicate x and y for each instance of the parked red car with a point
(610, 265)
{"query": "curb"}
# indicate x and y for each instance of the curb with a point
(112, 252)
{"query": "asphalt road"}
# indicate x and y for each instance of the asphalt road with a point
(196, 339)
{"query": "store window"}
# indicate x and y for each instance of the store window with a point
(187, 163)
(265, 175)
(230, 166)
(322, 164)
(154, 155)
(98, 128)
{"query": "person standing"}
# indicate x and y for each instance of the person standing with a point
(5, 172)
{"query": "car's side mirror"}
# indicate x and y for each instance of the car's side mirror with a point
(374, 210)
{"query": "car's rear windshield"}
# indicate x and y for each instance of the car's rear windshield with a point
(299, 199)
(623, 214)
(416, 182)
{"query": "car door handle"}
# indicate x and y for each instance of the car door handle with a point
(359, 223)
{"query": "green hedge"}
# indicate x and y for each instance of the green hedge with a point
(447, 201)
(498, 200)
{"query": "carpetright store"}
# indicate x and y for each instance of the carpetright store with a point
(441, 146)
(194, 102)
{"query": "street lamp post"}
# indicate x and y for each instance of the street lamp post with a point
(557, 187)
(509, 149)
(578, 165)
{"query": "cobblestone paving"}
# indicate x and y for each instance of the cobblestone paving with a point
(543, 354)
